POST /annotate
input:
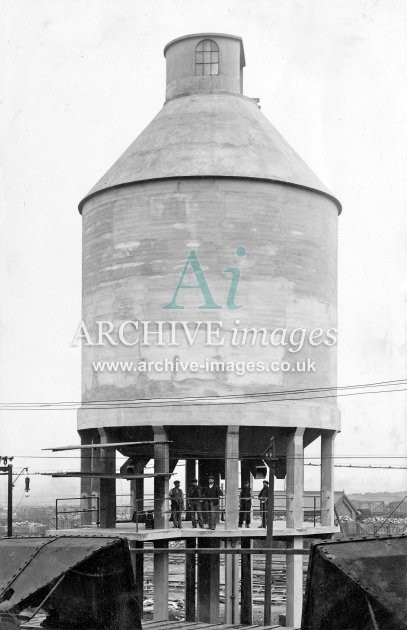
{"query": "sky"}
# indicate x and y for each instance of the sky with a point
(80, 80)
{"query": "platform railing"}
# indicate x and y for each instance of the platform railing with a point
(141, 510)
(91, 510)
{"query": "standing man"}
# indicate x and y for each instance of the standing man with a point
(211, 493)
(177, 504)
(195, 503)
(263, 497)
(245, 505)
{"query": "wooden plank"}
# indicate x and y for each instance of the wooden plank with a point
(101, 475)
(172, 625)
(76, 447)
(184, 625)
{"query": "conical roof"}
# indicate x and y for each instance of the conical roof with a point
(210, 135)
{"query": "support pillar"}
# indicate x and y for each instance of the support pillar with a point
(294, 587)
(208, 583)
(206, 467)
(160, 582)
(161, 490)
(295, 518)
(231, 584)
(246, 609)
(86, 482)
(137, 561)
(190, 581)
(137, 489)
(95, 483)
(231, 521)
(190, 474)
(107, 502)
(245, 473)
(295, 479)
(232, 477)
(327, 477)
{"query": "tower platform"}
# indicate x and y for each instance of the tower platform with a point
(180, 625)
(129, 531)
(168, 625)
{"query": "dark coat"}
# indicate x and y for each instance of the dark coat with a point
(245, 498)
(177, 497)
(212, 493)
(194, 492)
(264, 493)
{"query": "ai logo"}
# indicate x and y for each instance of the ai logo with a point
(192, 263)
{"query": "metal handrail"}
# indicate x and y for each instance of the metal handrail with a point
(140, 507)
(96, 509)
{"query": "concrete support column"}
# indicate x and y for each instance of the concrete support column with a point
(208, 583)
(295, 479)
(86, 482)
(160, 582)
(206, 467)
(137, 561)
(190, 473)
(294, 588)
(190, 581)
(231, 584)
(295, 518)
(245, 473)
(327, 477)
(246, 609)
(107, 502)
(137, 489)
(232, 477)
(231, 519)
(161, 490)
(95, 482)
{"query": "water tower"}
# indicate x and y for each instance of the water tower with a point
(205, 241)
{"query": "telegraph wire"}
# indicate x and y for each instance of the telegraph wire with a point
(359, 466)
(209, 454)
(219, 402)
(352, 466)
(140, 402)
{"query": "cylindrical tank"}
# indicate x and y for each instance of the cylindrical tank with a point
(210, 196)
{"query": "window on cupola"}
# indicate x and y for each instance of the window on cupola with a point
(206, 58)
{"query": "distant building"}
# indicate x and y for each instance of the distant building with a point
(374, 507)
(344, 507)
(347, 515)
(400, 509)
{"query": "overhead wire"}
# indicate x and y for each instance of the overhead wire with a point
(245, 398)
(210, 454)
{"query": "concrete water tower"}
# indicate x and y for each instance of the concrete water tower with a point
(210, 196)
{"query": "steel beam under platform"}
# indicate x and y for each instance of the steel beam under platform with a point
(174, 625)
(129, 531)
(185, 625)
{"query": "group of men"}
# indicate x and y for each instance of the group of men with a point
(205, 501)
(199, 501)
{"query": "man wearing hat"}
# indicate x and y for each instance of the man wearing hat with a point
(211, 493)
(263, 497)
(195, 503)
(177, 504)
